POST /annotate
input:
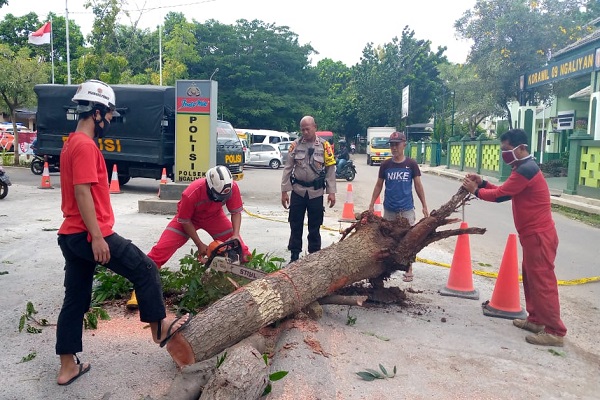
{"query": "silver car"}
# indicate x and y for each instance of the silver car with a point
(284, 147)
(265, 154)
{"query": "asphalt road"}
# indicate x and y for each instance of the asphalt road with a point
(443, 346)
(577, 257)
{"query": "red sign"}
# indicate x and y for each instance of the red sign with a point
(25, 140)
(193, 105)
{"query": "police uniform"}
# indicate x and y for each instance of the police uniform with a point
(309, 173)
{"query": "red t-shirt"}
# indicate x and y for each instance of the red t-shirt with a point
(81, 162)
(195, 204)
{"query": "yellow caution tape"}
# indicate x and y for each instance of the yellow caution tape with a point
(493, 275)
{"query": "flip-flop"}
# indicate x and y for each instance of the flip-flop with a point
(170, 334)
(408, 277)
(81, 372)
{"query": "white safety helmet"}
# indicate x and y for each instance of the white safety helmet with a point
(220, 183)
(93, 92)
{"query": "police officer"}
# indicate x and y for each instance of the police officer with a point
(308, 173)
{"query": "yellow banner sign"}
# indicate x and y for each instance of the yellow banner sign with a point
(578, 65)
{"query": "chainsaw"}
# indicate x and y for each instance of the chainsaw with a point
(226, 257)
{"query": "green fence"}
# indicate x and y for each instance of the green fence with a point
(583, 177)
(483, 156)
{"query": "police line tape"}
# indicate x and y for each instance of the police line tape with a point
(493, 275)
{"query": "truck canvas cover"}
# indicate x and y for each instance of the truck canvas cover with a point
(145, 132)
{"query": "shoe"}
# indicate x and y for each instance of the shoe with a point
(294, 257)
(528, 326)
(544, 338)
(407, 277)
(132, 303)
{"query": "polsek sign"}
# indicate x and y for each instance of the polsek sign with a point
(195, 122)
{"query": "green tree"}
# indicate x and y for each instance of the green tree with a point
(384, 71)
(19, 73)
(14, 31)
(102, 59)
(472, 97)
(338, 110)
(512, 37)
(265, 78)
(59, 44)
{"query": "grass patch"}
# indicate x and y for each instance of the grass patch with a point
(582, 216)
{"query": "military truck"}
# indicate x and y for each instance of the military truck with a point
(141, 142)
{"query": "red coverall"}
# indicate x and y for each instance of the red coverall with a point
(196, 206)
(533, 219)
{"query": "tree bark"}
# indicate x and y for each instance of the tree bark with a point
(375, 247)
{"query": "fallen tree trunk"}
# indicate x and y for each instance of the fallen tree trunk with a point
(376, 248)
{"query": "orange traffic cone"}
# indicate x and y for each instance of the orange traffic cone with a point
(46, 178)
(378, 208)
(348, 211)
(460, 280)
(506, 301)
(114, 181)
(163, 180)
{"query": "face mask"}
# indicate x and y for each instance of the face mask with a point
(510, 157)
(99, 132)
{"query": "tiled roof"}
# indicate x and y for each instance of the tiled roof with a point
(592, 37)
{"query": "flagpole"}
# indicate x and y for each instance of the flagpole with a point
(68, 55)
(160, 53)
(52, 46)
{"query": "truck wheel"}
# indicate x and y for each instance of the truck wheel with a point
(123, 179)
(368, 159)
(274, 164)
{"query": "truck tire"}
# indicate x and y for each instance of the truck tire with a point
(123, 179)
(369, 160)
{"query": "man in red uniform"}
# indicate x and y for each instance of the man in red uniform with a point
(530, 196)
(86, 237)
(201, 207)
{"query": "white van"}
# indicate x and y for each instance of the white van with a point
(266, 136)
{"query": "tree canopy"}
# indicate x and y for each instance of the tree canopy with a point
(266, 79)
(511, 37)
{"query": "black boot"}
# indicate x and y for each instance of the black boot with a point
(294, 257)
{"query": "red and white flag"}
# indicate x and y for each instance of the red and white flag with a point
(42, 35)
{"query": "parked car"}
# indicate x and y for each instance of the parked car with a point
(265, 154)
(284, 147)
(246, 150)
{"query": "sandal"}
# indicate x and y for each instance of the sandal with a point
(408, 277)
(81, 372)
(170, 332)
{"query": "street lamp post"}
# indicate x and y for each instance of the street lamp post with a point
(452, 123)
(213, 74)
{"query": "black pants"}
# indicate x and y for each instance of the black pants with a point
(298, 207)
(126, 260)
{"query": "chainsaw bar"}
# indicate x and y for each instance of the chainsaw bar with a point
(222, 264)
